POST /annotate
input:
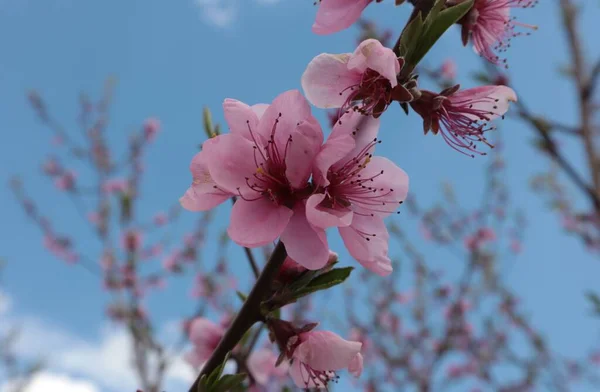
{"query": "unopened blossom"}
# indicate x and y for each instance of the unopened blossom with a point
(66, 181)
(448, 70)
(463, 116)
(337, 15)
(356, 190)
(115, 185)
(151, 128)
(491, 28)
(205, 336)
(262, 367)
(365, 81)
(131, 240)
(265, 161)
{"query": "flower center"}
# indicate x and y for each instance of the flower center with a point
(269, 180)
(316, 378)
(374, 92)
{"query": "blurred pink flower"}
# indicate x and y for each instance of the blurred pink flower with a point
(115, 185)
(131, 240)
(205, 336)
(66, 181)
(151, 128)
(448, 69)
(355, 191)
(160, 219)
(337, 15)
(261, 365)
(364, 81)
(266, 161)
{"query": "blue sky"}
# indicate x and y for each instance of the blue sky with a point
(173, 57)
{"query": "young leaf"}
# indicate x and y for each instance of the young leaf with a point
(228, 383)
(325, 281)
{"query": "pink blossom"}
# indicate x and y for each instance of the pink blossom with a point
(61, 248)
(51, 167)
(365, 81)
(131, 240)
(490, 27)
(448, 70)
(151, 128)
(205, 336)
(318, 354)
(337, 15)
(66, 181)
(261, 365)
(463, 116)
(171, 262)
(160, 219)
(266, 162)
(115, 185)
(355, 191)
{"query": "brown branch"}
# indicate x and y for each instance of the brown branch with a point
(249, 314)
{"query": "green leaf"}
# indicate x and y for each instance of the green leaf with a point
(424, 35)
(229, 382)
(216, 374)
(325, 281)
(241, 296)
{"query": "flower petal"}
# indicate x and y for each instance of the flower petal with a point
(494, 100)
(327, 80)
(356, 365)
(337, 15)
(367, 241)
(231, 163)
(304, 145)
(372, 54)
(389, 183)
(364, 130)
(301, 377)
(204, 193)
(305, 244)
(241, 118)
(324, 350)
(257, 223)
(326, 217)
(288, 110)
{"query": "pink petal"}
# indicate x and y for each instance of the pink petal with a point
(372, 54)
(204, 331)
(484, 98)
(327, 80)
(305, 143)
(324, 350)
(261, 365)
(356, 365)
(259, 109)
(372, 253)
(203, 194)
(363, 129)
(326, 217)
(305, 244)
(336, 15)
(282, 117)
(391, 184)
(257, 223)
(240, 118)
(300, 377)
(232, 163)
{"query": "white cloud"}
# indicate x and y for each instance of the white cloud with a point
(51, 382)
(5, 303)
(223, 13)
(105, 362)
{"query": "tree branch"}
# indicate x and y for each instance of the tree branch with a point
(248, 315)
